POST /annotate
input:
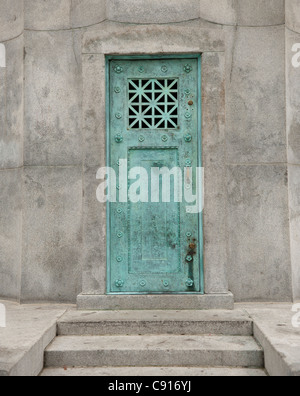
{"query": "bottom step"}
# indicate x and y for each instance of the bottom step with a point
(152, 372)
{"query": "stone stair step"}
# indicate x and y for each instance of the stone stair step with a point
(155, 322)
(154, 351)
(153, 372)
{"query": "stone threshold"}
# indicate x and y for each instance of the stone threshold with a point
(155, 302)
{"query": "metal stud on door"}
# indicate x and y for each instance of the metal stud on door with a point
(154, 124)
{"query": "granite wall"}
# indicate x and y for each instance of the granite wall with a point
(293, 134)
(11, 147)
(42, 232)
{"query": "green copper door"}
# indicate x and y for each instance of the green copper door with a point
(154, 124)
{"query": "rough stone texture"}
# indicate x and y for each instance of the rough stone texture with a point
(213, 138)
(53, 99)
(292, 99)
(87, 12)
(29, 330)
(52, 234)
(44, 15)
(255, 91)
(94, 114)
(155, 322)
(258, 236)
(114, 38)
(2, 105)
(293, 136)
(153, 372)
(292, 10)
(155, 302)
(280, 340)
(12, 106)
(255, 112)
(11, 147)
(294, 198)
(243, 12)
(214, 218)
(11, 19)
(94, 263)
(258, 226)
(203, 351)
(66, 14)
(154, 11)
(10, 233)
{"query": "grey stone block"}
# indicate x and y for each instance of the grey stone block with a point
(243, 13)
(29, 330)
(11, 19)
(255, 106)
(155, 302)
(293, 100)
(155, 322)
(213, 144)
(87, 12)
(53, 81)
(94, 110)
(154, 11)
(213, 108)
(292, 10)
(258, 233)
(153, 351)
(294, 200)
(157, 39)
(280, 340)
(10, 232)
(12, 106)
(293, 137)
(52, 234)
(66, 14)
(94, 263)
(44, 15)
(215, 235)
(153, 372)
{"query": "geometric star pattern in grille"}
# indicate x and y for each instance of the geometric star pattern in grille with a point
(153, 104)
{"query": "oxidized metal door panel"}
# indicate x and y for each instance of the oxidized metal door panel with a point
(154, 122)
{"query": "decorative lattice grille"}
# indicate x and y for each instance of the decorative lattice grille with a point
(153, 104)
